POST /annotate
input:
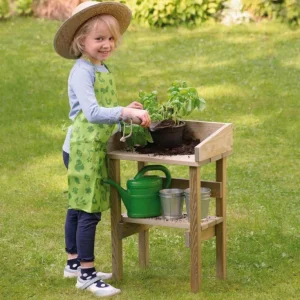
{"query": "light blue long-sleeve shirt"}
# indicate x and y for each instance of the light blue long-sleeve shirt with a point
(82, 98)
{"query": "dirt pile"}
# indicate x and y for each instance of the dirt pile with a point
(188, 147)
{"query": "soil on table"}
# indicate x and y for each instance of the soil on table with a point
(187, 147)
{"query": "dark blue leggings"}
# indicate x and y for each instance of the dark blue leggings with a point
(80, 230)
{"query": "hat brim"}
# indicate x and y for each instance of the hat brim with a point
(66, 32)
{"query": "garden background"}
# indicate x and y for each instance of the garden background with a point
(249, 76)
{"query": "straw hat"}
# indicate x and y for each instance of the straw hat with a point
(83, 12)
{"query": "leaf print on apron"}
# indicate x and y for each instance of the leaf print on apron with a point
(88, 162)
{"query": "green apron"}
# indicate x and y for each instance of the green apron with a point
(88, 161)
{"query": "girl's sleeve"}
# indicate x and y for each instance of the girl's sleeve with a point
(82, 83)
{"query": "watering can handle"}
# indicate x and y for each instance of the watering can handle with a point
(156, 168)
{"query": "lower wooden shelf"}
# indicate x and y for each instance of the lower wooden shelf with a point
(210, 221)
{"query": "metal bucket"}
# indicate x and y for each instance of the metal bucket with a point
(171, 201)
(205, 197)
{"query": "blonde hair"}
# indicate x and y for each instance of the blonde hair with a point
(112, 24)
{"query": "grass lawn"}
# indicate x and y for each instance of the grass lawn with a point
(249, 75)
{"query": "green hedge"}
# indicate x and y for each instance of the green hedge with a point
(24, 7)
(282, 10)
(4, 9)
(161, 13)
(18, 7)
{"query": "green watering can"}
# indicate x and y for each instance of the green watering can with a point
(141, 198)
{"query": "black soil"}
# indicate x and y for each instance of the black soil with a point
(187, 147)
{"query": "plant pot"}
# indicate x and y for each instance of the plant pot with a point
(168, 137)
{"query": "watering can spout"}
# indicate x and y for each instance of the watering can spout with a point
(125, 195)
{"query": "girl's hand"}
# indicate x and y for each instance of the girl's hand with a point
(136, 105)
(138, 116)
(141, 117)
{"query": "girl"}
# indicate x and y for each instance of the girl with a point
(90, 35)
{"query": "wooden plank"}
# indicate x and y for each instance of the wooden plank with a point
(226, 154)
(202, 130)
(184, 160)
(144, 247)
(216, 188)
(221, 227)
(216, 144)
(205, 235)
(141, 165)
(195, 230)
(128, 229)
(208, 233)
(115, 213)
(182, 183)
(179, 223)
(215, 158)
(159, 221)
(114, 142)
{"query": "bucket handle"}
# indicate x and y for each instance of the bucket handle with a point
(155, 168)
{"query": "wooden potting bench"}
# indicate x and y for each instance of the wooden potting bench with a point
(214, 147)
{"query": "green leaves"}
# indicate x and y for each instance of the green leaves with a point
(150, 102)
(24, 7)
(182, 101)
(140, 136)
(20, 7)
(163, 13)
(284, 11)
(4, 9)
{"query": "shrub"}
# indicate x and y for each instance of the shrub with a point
(4, 9)
(293, 12)
(24, 7)
(161, 13)
(282, 10)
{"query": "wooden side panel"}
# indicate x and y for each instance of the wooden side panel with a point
(216, 144)
(202, 130)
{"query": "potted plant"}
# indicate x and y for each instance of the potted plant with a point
(167, 125)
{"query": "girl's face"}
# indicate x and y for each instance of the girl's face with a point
(98, 43)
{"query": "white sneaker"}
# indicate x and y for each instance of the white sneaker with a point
(104, 276)
(105, 290)
(71, 273)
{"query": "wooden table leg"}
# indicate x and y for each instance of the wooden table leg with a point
(117, 257)
(195, 229)
(144, 248)
(143, 238)
(221, 227)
